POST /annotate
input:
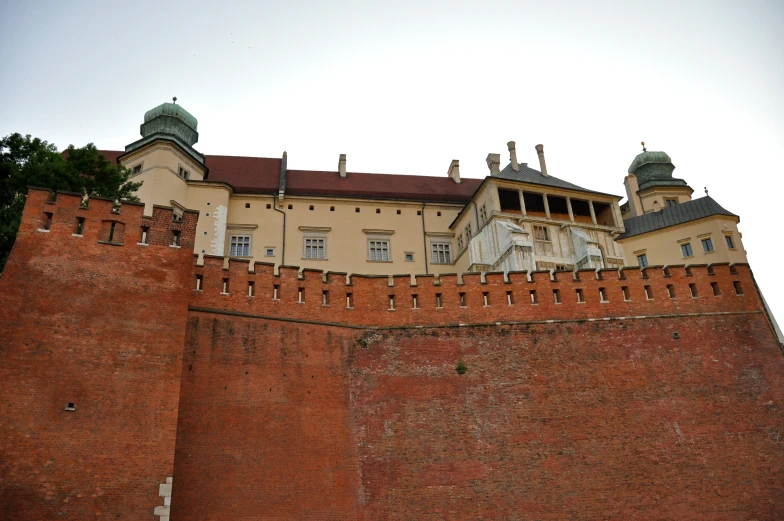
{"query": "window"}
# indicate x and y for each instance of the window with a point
(670, 202)
(642, 260)
(315, 248)
(409, 257)
(707, 245)
(686, 250)
(442, 253)
(239, 246)
(183, 174)
(137, 169)
(460, 242)
(269, 252)
(541, 233)
(468, 232)
(730, 244)
(483, 214)
(247, 205)
(378, 251)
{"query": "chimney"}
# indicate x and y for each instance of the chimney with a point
(342, 165)
(493, 160)
(454, 170)
(513, 156)
(542, 164)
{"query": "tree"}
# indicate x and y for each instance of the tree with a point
(27, 161)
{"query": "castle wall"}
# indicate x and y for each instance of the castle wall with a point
(100, 324)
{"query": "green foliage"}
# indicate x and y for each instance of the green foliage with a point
(27, 161)
(461, 367)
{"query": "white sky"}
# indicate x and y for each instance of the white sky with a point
(405, 87)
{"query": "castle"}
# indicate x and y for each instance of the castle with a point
(161, 363)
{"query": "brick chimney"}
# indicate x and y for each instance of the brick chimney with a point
(342, 165)
(493, 160)
(513, 156)
(454, 171)
(542, 164)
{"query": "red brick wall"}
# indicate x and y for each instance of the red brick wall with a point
(289, 409)
(598, 414)
(103, 326)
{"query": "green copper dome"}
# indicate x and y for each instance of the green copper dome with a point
(647, 158)
(174, 110)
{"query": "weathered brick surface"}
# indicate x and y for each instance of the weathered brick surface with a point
(102, 326)
(293, 409)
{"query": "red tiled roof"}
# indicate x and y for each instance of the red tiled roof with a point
(261, 175)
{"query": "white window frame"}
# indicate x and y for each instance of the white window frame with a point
(644, 256)
(378, 250)
(408, 254)
(319, 242)
(140, 166)
(182, 173)
(268, 249)
(685, 245)
(241, 245)
(441, 252)
(709, 240)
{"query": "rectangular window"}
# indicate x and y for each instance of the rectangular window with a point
(670, 202)
(670, 291)
(693, 291)
(251, 289)
(315, 248)
(625, 291)
(509, 298)
(648, 293)
(730, 243)
(145, 234)
(602, 295)
(580, 295)
(541, 233)
(324, 297)
(738, 287)
(409, 257)
(557, 296)
(137, 169)
(378, 251)
(175, 238)
(183, 174)
(468, 232)
(462, 300)
(486, 299)
(79, 225)
(269, 252)
(442, 253)
(483, 214)
(715, 288)
(460, 242)
(642, 260)
(707, 245)
(686, 250)
(225, 290)
(534, 299)
(239, 246)
(199, 282)
(438, 300)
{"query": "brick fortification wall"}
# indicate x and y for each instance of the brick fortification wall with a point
(293, 409)
(101, 324)
(321, 400)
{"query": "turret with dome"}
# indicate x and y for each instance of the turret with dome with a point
(169, 121)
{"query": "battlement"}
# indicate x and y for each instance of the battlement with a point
(66, 216)
(366, 300)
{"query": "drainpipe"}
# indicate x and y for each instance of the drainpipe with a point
(424, 237)
(283, 249)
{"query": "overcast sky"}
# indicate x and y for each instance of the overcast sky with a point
(405, 87)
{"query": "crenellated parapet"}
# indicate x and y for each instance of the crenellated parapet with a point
(66, 216)
(403, 300)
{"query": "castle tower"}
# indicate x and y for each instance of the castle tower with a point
(650, 185)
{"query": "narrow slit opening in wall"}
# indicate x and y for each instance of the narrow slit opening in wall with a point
(462, 300)
(509, 298)
(415, 299)
(438, 300)
(325, 298)
(47, 220)
(276, 292)
(625, 290)
(301, 295)
(378, 210)
(199, 282)
(225, 286)
(112, 228)
(693, 290)
(580, 295)
(670, 291)
(145, 233)
(486, 298)
(715, 288)
(349, 300)
(602, 295)
(251, 288)
(79, 226)
(557, 296)
(175, 238)
(648, 293)
(534, 297)
(391, 302)
(738, 287)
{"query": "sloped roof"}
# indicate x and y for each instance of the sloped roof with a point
(529, 175)
(261, 175)
(672, 216)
